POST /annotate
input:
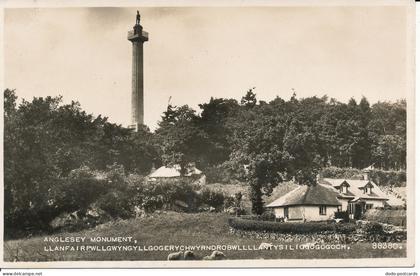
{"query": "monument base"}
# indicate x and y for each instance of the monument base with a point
(135, 127)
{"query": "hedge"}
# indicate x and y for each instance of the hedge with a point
(290, 227)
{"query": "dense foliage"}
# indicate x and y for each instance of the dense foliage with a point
(267, 143)
(45, 141)
(48, 144)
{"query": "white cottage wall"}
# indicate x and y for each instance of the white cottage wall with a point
(311, 213)
(375, 203)
(344, 204)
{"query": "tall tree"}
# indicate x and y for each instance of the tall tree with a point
(212, 121)
(180, 138)
(256, 140)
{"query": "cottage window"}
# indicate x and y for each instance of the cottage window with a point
(367, 190)
(286, 212)
(323, 210)
(369, 206)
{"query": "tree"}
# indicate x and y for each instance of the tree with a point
(390, 152)
(180, 138)
(300, 146)
(263, 177)
(387, 133)
(212, 121)
(136, 151)
(46, 140)
(250, 99)
(256, 142)
(362, 156)
(46, 143)
(29, 168)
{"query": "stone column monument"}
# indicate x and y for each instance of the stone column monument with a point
(137, 36)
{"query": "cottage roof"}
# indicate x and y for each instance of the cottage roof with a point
(174, 171)
(356, 188)
(308, 195)
(368, 169)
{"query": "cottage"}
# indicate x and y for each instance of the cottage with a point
(307, 203)
(166, 172)
(331, 195)
(357, 196)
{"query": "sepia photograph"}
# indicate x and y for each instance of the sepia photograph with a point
(193, 135)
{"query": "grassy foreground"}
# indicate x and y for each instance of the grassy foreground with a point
(173, 229)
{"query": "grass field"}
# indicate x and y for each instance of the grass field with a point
(174, 229)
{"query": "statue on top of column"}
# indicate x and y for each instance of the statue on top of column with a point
(138, 18)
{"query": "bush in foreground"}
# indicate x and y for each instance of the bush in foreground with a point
(213, 198)
(373, 228)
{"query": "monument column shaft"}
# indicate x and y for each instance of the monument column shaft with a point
(137, 37)
(137, 95)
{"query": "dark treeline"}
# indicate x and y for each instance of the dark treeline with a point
(275, 141)
(46, 143)
(263, 143)
(298, 132)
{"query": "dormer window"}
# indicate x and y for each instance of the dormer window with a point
(344, 188)
(368, 188)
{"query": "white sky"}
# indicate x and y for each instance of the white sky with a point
(194, 53)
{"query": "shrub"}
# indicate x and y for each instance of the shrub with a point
(78, 190)
(342, 215)
(238, 199)
(115, 177)
(116, 204)
(268, 216)
(163, 193)
(345, 228)
(212, 198)
(297, 228)
(109, 190)
(373, 228)
(336, 172)
(229, 202)
(152, 203)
